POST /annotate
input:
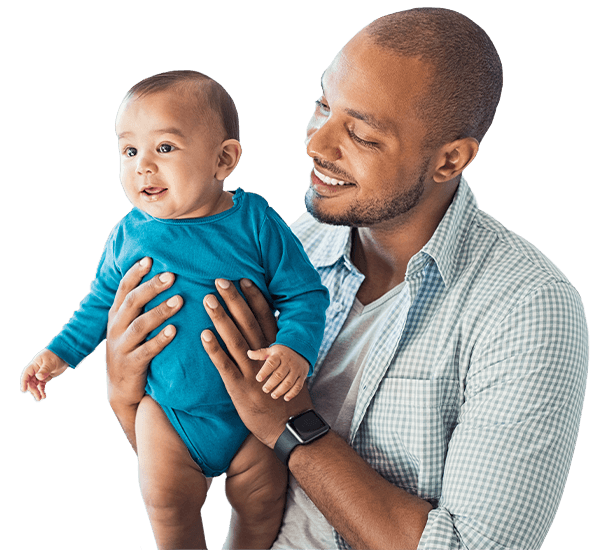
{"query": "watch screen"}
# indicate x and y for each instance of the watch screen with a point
(308, 424)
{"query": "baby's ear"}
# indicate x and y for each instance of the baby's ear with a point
(228, 158)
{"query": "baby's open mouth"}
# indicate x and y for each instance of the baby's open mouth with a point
(153, 193)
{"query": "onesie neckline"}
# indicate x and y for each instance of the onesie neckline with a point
(237, 198)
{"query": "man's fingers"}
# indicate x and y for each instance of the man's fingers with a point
(141, 326)
(227, 369)
(242, 316)
(150, 349)
(235, 343)
(131, 280)
(131, 299)
(261, 309)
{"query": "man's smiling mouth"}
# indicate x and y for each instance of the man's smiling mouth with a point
(329, 181)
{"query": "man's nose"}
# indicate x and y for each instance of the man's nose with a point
(322, 140)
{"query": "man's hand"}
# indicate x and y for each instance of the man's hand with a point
(253, 328)
(128, 351)
(45, 366)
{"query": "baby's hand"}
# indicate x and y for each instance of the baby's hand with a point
(43, 367)
(286, 369)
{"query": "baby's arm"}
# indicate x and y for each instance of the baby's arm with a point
(43, 367)
(287, 370)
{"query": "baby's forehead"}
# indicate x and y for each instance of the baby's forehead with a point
(190, 107)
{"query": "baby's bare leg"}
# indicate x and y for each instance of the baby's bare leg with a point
(172, 484)
(256, 487)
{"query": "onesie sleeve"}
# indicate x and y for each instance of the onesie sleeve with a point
(295, 288)
(87, 327)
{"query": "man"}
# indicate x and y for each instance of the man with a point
(453, 365)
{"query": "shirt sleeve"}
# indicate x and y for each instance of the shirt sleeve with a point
(295, 288)
(87, 327)
(510, 453)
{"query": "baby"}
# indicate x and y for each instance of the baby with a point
(178, 141)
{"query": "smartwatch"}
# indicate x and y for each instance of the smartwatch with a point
(300, 429)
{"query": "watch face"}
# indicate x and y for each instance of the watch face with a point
(308, 425)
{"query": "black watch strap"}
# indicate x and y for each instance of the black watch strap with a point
(285, 445)
(300, 430)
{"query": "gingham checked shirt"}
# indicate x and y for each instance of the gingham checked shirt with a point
(471, 398)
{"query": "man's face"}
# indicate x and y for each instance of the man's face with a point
(365, 134)
(168, 157)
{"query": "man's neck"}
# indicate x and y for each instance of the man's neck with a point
(382, 252)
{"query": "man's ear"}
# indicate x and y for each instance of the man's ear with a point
(228, 158)
(454, 157)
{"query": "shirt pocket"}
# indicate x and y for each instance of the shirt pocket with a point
(405, 432)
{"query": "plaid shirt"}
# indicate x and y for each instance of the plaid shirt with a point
(471, 398)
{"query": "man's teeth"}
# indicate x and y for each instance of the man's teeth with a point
(327, 179)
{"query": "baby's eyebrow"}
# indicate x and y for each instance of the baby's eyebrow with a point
(174, 131)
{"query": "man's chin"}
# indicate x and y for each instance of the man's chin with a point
(313, 206)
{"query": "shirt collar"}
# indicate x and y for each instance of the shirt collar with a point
(449, 237)
(442, 248)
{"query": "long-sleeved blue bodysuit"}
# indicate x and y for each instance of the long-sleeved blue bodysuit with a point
(249, 241)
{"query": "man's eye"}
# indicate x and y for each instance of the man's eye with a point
(322, 107)
(357, 139)
(131, 151)
(165, 148)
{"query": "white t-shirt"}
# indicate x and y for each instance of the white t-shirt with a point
(334, 395)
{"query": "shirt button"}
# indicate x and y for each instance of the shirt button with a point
(337, 306)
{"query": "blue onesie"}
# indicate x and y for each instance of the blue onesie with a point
(249, 241)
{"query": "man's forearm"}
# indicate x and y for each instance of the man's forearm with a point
(368, 511)
(126, 415)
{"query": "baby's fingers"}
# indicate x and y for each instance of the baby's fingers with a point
(258, 354)
(297, 386)
(35, 387)
(288, 385)
(270, 365)
(280, 379)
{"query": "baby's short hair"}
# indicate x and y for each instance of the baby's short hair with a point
(204, 89)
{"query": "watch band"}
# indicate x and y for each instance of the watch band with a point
(285, 445)
(300, 429)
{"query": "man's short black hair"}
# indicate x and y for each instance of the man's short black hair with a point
(205, 90)
(467, 72)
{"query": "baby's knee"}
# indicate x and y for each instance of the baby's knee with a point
(258, 493)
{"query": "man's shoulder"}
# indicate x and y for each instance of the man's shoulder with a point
(502, 249)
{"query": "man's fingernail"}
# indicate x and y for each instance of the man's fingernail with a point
(211, 301)
(173, 301)
(246, 283)
(206, 336)
(145, 262)
(223, 283)
(165, 277)
(169, 331)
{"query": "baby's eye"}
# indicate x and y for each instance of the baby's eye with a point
(131, 151)
(165, 148)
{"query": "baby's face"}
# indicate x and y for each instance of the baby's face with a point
(168, 158)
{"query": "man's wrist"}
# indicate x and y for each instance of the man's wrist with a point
(301, 429)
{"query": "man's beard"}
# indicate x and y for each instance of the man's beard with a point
(370, 212)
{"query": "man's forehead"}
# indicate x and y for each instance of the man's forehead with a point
(378, 86)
